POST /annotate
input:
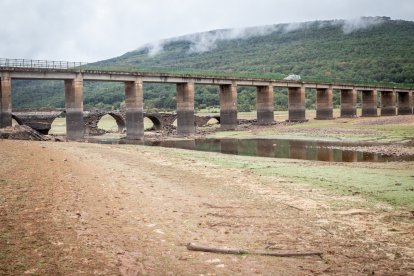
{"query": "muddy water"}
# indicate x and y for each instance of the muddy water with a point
(276, 148)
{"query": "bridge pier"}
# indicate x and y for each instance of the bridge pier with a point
(75, 128)
(405, 103)
(324, 104)
(185, 108)
(369, 103)
(5, 101)
(134, 101)
(265, 105)
(228, 106)
(296, 104)
(348, 103)
(388, 102)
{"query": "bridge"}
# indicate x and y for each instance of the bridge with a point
(394, 101)
(41, 120)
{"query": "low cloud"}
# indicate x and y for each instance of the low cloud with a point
(207, 41)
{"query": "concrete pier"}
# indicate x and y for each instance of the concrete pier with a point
(75, 128)
(296, 96)
(324, 104)
(348, 103)
(228, 106)
(134, 102)
(405, 103)
(388, 103)
(5, 101)
(185, 108)
(264, 105)
(369, 103)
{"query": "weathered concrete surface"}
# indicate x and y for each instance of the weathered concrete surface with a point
(324, 104)
(369, 103)
(405, 103)
(40, 121)
(297, 106)
(388, 103)
(5, 101)
(265, 105)
(185, 108)
(134, 101)
(75, 128)
(228, 107)
(348, 103)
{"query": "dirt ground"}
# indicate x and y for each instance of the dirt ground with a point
(79, 208)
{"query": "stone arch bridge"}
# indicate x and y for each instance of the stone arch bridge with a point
(41, 120)
(394, 99)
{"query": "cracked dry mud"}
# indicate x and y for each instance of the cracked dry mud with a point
(72, 208)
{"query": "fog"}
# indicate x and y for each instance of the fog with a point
(207, 41)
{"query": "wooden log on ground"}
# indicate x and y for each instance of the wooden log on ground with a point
(235, 251)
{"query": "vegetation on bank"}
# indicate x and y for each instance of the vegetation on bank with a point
(321, 51)
(377, 182)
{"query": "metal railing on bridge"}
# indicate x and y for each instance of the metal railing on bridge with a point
(41, 64)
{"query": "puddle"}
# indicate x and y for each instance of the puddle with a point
(273, 148)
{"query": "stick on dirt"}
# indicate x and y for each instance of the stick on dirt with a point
(235, 251)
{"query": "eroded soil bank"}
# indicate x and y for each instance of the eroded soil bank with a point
(79, 208)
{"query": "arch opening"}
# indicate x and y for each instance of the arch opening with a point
(58, 126)
(213, 122)
(16, 121)
(152, 123)
(175, 123)
(111, 122)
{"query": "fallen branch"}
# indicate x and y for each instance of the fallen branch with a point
(235, 251)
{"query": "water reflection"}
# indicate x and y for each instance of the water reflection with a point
(276, 148)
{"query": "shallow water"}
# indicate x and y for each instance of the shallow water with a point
(273, 148)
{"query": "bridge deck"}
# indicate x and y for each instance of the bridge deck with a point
(115, 76)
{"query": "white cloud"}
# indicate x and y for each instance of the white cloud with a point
(207, 41)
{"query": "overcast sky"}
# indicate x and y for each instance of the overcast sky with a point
(92, 30)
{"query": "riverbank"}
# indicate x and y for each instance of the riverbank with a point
(72, 208)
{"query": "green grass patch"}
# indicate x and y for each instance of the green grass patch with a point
(392, 183)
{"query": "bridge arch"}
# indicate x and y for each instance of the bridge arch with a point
(92, 118)
(119, 119)
(212, 121)
(157, 125)
(58, 125)
(17, 119)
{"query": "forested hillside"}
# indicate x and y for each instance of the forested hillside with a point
(370, 50)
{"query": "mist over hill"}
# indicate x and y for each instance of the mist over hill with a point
(371, 49)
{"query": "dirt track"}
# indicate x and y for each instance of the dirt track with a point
(71, 208)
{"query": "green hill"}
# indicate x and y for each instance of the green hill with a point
(367, 50)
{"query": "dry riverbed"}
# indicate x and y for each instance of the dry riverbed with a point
(79, 208)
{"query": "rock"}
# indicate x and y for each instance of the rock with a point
(22, 132)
